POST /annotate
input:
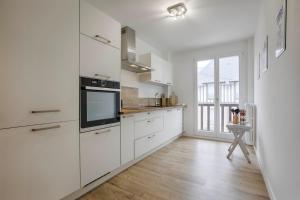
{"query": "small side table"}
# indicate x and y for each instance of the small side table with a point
(238, 131)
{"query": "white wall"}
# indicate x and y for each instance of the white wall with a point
(131, 79)
(277, 96)
(184, 64)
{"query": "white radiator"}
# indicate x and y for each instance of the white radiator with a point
(250, 136)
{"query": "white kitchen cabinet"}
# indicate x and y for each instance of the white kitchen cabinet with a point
(99, 153)
(127, 138)
(179, 123)
(146, 144)
(39, 67)
(99, 60)
(99, 26)
(167, 73)
(147, 126)
(155, 62)
(161, 73)
(39, 162)
(172, 123)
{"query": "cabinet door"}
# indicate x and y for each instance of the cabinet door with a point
(93, 22)
(99, 60)
(168, 73)
(156, 65)
(39, 162)
(127, 138)
(99, 153)
(179, 127)
(170, 117)
(39, 64)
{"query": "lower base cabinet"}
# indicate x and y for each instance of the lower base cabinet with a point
(168, 124)
(127, 138)
(99, 153)
(146, 144)
(39, 162)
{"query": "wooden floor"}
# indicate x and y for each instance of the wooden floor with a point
(187, 169)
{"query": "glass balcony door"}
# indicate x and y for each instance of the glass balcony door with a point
(217, 92)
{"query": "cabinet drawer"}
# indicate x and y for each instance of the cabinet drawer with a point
(145, 115)
(94, 22)
(146, 144)
(148, 126)
(39, 162)
(99, 153)
(98, 60)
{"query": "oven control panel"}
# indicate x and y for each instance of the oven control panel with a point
(99, 83)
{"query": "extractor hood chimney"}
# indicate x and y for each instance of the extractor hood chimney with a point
(128, 52)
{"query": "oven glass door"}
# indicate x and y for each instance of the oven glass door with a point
(99, 107)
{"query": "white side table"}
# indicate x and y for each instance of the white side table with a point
(238, 131)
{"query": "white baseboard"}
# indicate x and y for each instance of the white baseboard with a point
(209, 138)
(265, 176)
(102, 180)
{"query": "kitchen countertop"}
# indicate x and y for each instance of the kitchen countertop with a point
(126, 111)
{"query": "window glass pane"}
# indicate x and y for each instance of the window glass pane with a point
(206, 95)
(229, 88)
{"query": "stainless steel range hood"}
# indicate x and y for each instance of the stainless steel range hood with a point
(128, 52)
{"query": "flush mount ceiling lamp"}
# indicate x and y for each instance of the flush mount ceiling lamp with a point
(177, 10)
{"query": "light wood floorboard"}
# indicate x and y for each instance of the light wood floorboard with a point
(187, 169)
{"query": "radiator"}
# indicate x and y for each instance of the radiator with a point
(250, 137)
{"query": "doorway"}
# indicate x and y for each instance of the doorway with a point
(218, 90)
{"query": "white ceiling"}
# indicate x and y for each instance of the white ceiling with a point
(207, 22)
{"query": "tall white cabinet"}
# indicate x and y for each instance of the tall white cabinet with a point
(38, 61)
(100, 43)
(39, 78)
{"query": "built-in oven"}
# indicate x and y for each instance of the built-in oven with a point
(99, 104)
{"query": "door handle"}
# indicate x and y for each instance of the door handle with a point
(45, 128)
(104, 76)
(152, 136)
(100, 38)
(106, 131)
(44, 111)
(128, 116)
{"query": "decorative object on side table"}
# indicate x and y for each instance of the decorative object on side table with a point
(281, 25)
(242, 116)
(235, 115)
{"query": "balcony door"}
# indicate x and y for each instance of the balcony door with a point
(217, 92)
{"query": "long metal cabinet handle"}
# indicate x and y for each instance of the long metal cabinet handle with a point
(128, 116)
(106, 131)
(45, 128)
(97, 37)
(104, 76)
(44, 111)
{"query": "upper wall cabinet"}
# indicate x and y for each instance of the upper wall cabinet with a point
(39, 67)
(99, 26)
(100, 42)
(99, 60)
(161, 70)
(167, 72)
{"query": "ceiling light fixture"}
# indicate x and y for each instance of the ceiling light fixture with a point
(177, 10)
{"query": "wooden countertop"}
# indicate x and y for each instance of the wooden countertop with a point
(126, 111)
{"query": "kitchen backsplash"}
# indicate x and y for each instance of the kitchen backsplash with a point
(130, 98)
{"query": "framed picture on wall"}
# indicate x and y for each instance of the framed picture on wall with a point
(281, 22)
(264, 57)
